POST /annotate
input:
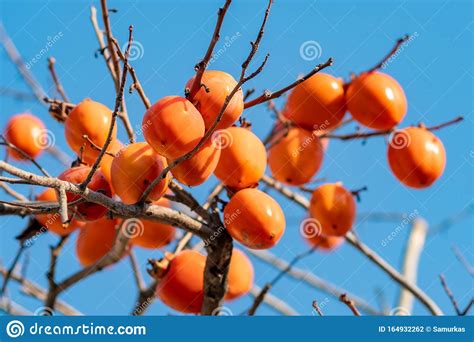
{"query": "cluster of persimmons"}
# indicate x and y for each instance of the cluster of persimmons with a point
(174, 125)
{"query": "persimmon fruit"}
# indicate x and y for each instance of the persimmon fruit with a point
(52, 222)
(416, 157)
(87, 211)
(95, 240)
(296, 158)
(91, 119)
(26, 132)
(134, 169)
(323, 242)
(317, 103)
(182, 286)
(243, 161)
(254, 219)
(334, 208)
(240, 276)
(376, 100)
(210, 99)
(152, 234)
(173, 126)
(197, 169)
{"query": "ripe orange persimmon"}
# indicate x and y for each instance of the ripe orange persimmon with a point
(95, 240)
(106, 164)
(416, 157)
(323, 242)
(197, 169)
(318, 103)
(296, 158)
(173, 126)
(26, 132)
(152, 234)
(254, 219)
(209, 101)
(240, 277)
(53, 221)
(243, 158)
(87, 211)
(92, 119)
(334, 208)
(376, 100)
(182, 286)
(134, 169)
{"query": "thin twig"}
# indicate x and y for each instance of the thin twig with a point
(136, 271)
(392, 52)
(55, 251)
(32, 289)
(110, 45)
(462, 259)
(259, 299)
(450, 294)
(57, 83)
(15, 57)
(364, 135)
(11, 269)
(274, 302)
(350, 303)
(268, 95)
(317, 308)
(118, 103)
(103, 48)
(23, 154)
(202, 65)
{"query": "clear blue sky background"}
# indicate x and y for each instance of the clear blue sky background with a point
(435, 70)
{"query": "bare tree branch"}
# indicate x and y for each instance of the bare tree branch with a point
(369, 253)
(413, 250)
(57, 83)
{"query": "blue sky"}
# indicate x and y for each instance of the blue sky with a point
(435, 70)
